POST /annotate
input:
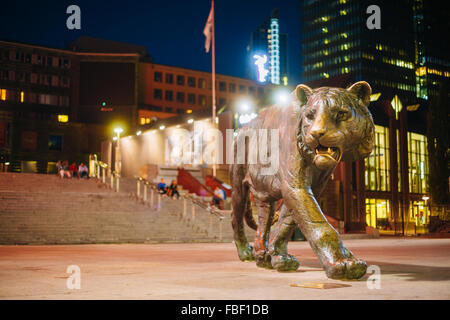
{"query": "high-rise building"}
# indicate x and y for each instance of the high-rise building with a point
(405, 61)
(267, 53)
(405, 56)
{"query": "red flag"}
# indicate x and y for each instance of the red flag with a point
(207, 31)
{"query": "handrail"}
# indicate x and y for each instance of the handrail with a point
(101, 170)
(192, 198)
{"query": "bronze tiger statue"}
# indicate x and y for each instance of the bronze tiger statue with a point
(317, 130)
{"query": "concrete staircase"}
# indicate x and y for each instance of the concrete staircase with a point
(43, 209)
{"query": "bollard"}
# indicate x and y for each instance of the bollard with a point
(117, 183)
(103, 175)
(159, 201)
(138, 188)
(151, 197)
(112, 181)
(98, 171)
(145, 192)
(193, 211)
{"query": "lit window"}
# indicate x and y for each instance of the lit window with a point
(63, 118)
(3, 94)
(417, 163)
(378, 213)
(377, 169)
(22, 96)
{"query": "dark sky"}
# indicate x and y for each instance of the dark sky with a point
(172, 30)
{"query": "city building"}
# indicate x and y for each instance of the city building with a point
(405, 56)
(166, 91)
(405, 64)
(62, 103)
(267, 60)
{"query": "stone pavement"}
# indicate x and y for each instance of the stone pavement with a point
(410, 269)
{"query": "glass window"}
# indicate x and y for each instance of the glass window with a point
(202, 83)
(202, 100)
(180, 96)
(418, 218)
(191, 82)
(180, 80)
(55, 142)
(157, 94)
(191, 98)
(377, 164)
(169, 78)
(378, 213)
(158, 76)
(242, 89)
(417, 163)
(169, 95)
(222, 86)
(232, 88)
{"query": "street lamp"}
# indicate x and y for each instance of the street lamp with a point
(118, 131)
(282, 97)
(246, 111)
(118, 160)
(244, 106)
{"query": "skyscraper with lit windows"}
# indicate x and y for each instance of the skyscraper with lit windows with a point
(267, 53)
(406, 56)
(405, 62)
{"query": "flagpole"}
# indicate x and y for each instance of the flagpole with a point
(213, 84)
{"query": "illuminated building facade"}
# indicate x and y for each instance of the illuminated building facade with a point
(405, 57)
(267, 42)
(61, 103)
(405, 62)
(36, 102)
(167, 91)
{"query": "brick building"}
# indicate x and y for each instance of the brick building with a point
(61, 103)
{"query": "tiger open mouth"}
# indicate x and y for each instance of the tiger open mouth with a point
(334, 153)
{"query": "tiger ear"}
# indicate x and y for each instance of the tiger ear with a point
(362, 90)
(303, 92)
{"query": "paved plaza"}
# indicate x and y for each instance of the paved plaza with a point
(410, 269)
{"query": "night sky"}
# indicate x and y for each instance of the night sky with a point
(171, 30)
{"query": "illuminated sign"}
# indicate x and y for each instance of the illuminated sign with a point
(260, 62)
(246, 118)
(274, 51)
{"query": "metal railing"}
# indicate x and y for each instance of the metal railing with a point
(102, 170)
(144, 186)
